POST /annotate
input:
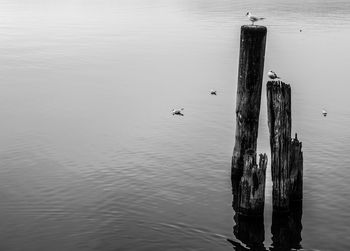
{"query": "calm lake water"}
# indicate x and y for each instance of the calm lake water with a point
(91, 157)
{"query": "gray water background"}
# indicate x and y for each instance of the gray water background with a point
(91, 157)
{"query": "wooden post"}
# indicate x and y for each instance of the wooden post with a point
(279, 121)
(296, 170)
(250, 75)
(252, 185)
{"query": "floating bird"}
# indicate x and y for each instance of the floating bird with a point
(300, 30)
(272, 75)
(253, 18)
(212, 92)
(177, 111)
(324, 112)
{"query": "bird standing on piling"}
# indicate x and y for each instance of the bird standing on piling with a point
(253, 18)
(272, 75)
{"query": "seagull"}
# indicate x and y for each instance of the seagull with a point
(212, 92)
(272, 75)
(324, 112)
(177, 111)
(253, 18)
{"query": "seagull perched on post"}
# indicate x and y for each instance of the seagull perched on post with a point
(253, 18)
(272, 75)
(177, 111)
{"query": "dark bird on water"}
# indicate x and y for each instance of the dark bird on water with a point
(212, 92)
(324, 112)
(177, 112)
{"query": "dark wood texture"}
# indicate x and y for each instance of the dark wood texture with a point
(250, 75)
(252, 185)
(279, 121)
(296, 170)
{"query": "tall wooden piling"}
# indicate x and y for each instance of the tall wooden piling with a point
(296, 170)
(279, 121)
(252, 185)
(250, 75)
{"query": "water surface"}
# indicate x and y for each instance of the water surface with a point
(91, 157)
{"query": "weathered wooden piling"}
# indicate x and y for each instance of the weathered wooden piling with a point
(296, 170)
(250, 75)
(279, 121)
(252, 185)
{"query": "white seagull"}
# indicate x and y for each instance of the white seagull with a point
(212, 92)
(253, 18)
(324, 112)
(272, 75)
(177, 111)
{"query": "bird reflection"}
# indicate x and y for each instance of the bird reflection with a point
(286, 229)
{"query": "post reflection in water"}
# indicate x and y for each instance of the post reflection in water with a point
(248, 230)
(250, 233)
(286, 229)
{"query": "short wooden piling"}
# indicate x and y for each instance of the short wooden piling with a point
(250, 75)
(279, 121)
(252, 185)
(296, 170)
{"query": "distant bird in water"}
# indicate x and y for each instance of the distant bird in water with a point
(212, 92)
(177, 111)
(300, 30)
(253, 18)
(272, 75)
(324, 112)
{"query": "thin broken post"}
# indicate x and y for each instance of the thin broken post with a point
(252, 185)
(296, 170)
(279, 121)
(250, 75)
